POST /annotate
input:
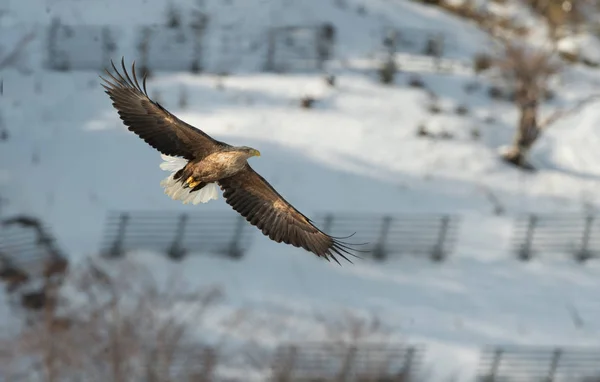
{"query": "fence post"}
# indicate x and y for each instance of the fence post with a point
(491, 377)
(143, 49)
(198, 25)
(235, 250)
(554, 364)
(108, 45)
(525, 250)
(438, 252)
(380, 252)
(117, 247)
(269, 63)
(408, 361)
(324, 43)
(328, 223)
(209, 362)
(56, 59)
(346, 370)
(584, 253)
(284, 363)
(176, 251)
(196, 66)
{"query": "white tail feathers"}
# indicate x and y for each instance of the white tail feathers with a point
(172, 164)
(174, 188)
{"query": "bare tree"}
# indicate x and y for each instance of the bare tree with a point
(527, 71)
(559, 14)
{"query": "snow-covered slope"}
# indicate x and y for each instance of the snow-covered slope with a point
(70, 160)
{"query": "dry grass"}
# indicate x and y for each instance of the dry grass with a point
(115, 327)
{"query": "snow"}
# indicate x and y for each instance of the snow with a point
(584, 45)
(355, 151)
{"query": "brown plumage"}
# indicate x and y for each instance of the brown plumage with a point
(211, 161)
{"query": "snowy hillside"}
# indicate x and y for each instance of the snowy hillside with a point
(70, 160)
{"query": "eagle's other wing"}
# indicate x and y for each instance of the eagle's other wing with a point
(255, 199)
(153, 123)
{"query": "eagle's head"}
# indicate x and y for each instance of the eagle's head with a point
(249, 151)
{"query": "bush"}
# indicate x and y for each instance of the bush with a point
(569, 56)
(422, 131)
(471, 87)
(489, 119)
(416, 82)
(434, 108)
(549, 95)
(495, 92)
(462, 110)
(590, 63)
(446, 135)
(330, 80)
(307, 102)
(387, 72)
(482, 62)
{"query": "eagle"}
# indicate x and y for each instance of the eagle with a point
(199, 165)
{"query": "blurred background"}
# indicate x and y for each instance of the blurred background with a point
(459, 138)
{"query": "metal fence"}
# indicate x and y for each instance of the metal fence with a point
(552, 364)
(79, 47)
(190, 48)
(336, 362)
(176, 234)
(293, 48)
(162, 48)
(433, 235)
(572, 234)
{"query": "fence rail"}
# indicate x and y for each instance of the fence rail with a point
(523, 363)
(572, 234)
(434, 235)
(176, 234)
(364, 362)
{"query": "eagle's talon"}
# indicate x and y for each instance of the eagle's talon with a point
(190, 182)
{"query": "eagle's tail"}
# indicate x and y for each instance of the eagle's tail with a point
(174, 187)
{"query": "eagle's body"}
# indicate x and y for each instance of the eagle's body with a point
(199, 165)
(188, 178)
(219, 165)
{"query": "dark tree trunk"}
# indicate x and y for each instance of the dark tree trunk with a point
(527, 133)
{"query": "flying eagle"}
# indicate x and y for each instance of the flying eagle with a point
(198, 163)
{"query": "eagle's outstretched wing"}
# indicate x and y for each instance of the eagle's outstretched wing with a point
(153, 123)
(255, 199)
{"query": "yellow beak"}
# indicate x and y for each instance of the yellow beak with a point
(256, 153)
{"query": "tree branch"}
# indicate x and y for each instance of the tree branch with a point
(563, 112)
